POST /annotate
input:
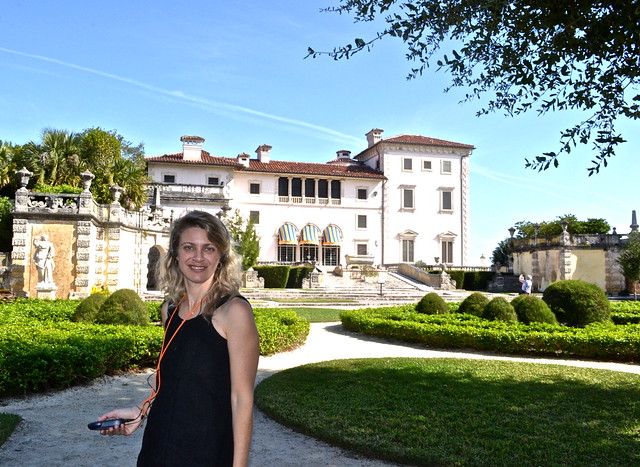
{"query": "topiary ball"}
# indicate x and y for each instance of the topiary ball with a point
(474, 304)
(577, 303)
(432, 304)
(123, 306)
(88, 308)
(499, 309)
(531, 309)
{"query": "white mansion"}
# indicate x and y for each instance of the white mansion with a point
(402, 199)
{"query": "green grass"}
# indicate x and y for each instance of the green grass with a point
(318, 315)
(8, 423)
(457, 412)
(312, 300)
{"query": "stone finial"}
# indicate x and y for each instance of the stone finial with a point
(116, 192)
(634, 221)
(24, 176)
(87, 177)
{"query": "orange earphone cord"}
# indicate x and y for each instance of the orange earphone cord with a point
(146, 405)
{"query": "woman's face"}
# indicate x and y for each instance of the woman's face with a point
(198, 258)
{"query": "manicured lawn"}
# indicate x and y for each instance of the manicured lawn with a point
(8, 423)
(318, 315)
(457, 412)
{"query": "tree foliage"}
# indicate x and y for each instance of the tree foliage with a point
(501, 253)
(59, 157)
(245, 239)
(542, 55)
(527, 229)
(629, 260)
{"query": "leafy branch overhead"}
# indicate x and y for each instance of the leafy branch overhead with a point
(523, 55)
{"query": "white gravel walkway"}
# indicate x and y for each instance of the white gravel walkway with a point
(54, 433)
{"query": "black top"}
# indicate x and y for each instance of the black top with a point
(190, 422)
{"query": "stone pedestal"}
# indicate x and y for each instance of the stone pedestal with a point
(46, 291)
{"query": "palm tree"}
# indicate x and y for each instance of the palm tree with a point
(55, 160)
(131, 175)
(7, 166)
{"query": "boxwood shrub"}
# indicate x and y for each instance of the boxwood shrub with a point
(432, 304)
(275, 277)
(40, 348)
(499, 309)
(280, 329)
(599, 341)
(474, 304)
(532, 309)
(297, 275)
(577, 303)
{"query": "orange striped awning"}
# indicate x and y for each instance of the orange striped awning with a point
(309, 235)
(331, 235)
(287, 234)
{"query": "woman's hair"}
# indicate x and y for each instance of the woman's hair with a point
(227, 276)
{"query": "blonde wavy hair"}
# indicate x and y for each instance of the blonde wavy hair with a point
(227, 277)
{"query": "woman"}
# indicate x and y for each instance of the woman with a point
(202, 403)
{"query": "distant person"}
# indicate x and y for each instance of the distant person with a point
(527, 284)
(200, 411)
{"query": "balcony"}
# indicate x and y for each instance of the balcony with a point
(186, 193)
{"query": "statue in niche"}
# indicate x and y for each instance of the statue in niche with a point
(44, 259)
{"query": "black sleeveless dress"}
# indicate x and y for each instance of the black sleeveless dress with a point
(190, 422)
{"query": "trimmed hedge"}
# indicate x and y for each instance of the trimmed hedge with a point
(462, 331)
(297, 275)
(280, 330)
(40, 348)
(124, 306)
(88, 308)
(275, 277)
(577, 303)
(432, 304)
(625, 312)
(531, 309)
(474, 304)
(499, 309)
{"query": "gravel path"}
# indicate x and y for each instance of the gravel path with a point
(54, 432)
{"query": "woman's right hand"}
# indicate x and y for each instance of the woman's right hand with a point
(125, 429)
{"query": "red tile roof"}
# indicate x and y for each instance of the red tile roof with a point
(352, 170)
(415, 139)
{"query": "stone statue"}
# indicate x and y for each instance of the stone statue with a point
(44, 259)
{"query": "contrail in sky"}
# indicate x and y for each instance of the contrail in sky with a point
(200, 101)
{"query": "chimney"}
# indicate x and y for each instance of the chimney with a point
(244, 159)
(344, 154)
(263, 153)
(192, 148)
(374, 136)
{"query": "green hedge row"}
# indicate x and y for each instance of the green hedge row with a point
(41, 349)
(603, 342)
(280, 330)
(280, 277)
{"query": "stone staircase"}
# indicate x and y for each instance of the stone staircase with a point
(341, 291)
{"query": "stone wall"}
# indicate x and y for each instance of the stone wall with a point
(102, 246)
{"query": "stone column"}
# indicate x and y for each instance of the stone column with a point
(19, 257)
(83, 280)
(113, 256)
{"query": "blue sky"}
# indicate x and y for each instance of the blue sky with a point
(235, 74)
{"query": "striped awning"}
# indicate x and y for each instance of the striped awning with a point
(309, 235)
(331, 235)
(287, 234)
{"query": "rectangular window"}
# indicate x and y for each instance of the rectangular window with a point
(447, 252)
(254, 217)
(362, 221)
(213, 181)
(361, 249)
(426, 166)
(169, 178)
(330, 255)
(283, 186)
(407, 251)
(323, 188)
(310, 188)
(309, 253)
(361, 193)
(447, 200)
(407, 198)
(446, 167)
(407, 164)
(296, 187)
(254, 188)
(286, 254)
(335, 189)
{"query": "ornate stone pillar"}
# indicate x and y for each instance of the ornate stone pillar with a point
(84, 250)
(19, 256)
(113, 256)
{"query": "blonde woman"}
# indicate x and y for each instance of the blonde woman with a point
(200, 411)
